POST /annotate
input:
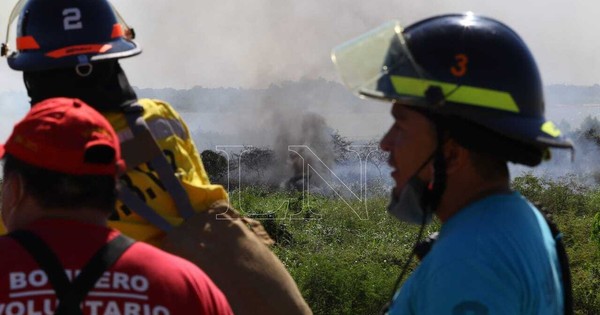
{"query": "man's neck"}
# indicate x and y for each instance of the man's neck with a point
(30, 211)
(90, 216)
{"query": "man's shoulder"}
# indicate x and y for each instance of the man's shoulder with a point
(162, 119)
(152, 102)
(500, 233)
(495, 212)
(508, 202)
(175, 274)
(159, 109)
(511, 215)
(485, 229)
(156, 106)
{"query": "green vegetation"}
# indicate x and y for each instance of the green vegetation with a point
(573, 207)
(345, 265)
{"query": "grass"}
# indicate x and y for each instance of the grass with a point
(347, 265)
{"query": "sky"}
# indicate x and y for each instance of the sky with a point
(254, 43)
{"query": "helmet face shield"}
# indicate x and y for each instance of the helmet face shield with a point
(13, 16)
(364, 62)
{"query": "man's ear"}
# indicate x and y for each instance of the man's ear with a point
(13, 191)
(457, 156)
(12, 194)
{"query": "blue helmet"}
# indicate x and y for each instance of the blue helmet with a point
(68, 33)
(462, 66)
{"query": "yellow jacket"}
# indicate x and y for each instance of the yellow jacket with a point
(181, 152)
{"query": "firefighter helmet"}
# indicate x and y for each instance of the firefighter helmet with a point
(67, 33)
(462, 65)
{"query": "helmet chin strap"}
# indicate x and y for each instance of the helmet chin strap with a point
(84, 70)
(433, 195)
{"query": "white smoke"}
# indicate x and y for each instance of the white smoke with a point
(580, 125)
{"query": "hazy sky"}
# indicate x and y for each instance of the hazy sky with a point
(253, 43)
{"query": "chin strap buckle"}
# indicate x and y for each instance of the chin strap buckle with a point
(4, 50)
(423, 247)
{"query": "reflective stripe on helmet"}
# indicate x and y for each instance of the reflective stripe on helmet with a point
(117, 31)
(456, 93)
(78, 50)
(27, 42)
(549, 128)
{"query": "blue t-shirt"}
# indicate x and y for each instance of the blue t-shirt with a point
(495, 256)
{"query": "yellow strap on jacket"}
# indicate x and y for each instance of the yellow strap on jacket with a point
(181, 152)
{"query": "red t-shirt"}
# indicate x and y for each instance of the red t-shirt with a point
(144, 281)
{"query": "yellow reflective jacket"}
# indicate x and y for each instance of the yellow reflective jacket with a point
(181, 152)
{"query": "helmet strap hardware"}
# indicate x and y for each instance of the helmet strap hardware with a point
(434, 96)
(4, 50)
(84, 70)
(130, 33)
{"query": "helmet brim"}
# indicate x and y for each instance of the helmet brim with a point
(38, 61)
(531, 130)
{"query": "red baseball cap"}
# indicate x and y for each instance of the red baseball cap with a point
(61, 134)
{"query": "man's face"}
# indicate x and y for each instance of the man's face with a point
(410, 141)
